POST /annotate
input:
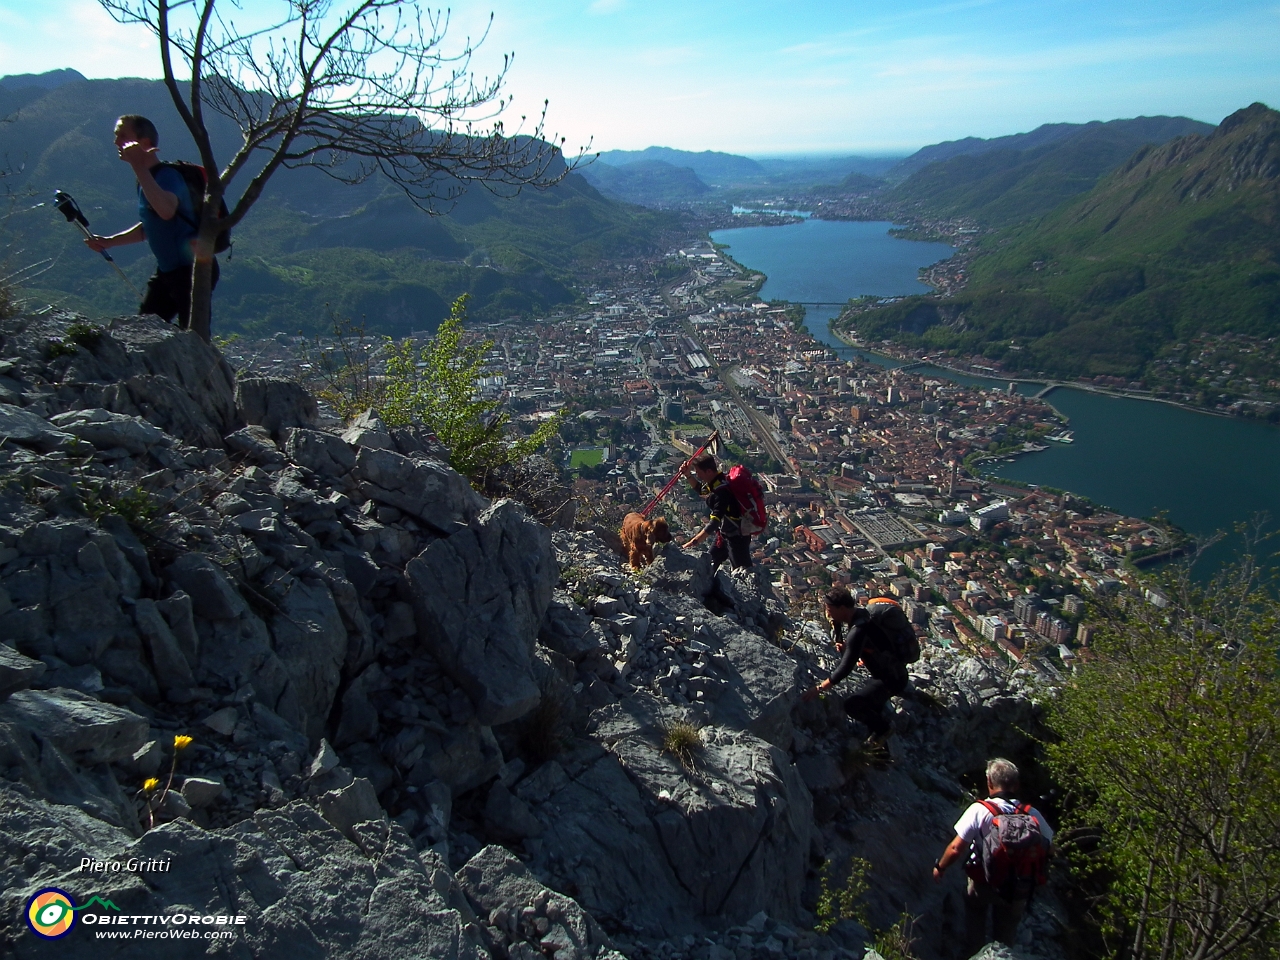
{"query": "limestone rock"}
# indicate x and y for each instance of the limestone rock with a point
(320, 452)
(23, 426)
(171, 667)
(304, 888)
(16, 671)
(201, 791)
(256, 443)
(507, 817)
(566, 629)
(368, 430)
(427, 490)
(78, 724)
(498, 885)
(106, 430)
(274, 404)
(353, 804)
(479, 598)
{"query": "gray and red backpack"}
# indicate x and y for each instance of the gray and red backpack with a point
(1014, 855)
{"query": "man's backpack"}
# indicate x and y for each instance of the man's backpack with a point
(746, 490)
(896, 629)
(197, 182)
(1014, 855)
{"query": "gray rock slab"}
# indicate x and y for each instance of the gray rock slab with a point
(77, 724)
(304, 889)
(566, 629)
(201, 791)
(275, 404)
(106, 430)
(734, 825)
(497, 883)
(479, 597)
(256, 443)
(211, 591)
(320, 452)
(16, 671)
(23, 426)
(428, 490)
(171, 668)
(353, 804)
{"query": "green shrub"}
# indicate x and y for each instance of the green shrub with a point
(437, 387)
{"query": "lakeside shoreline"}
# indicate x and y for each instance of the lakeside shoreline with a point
(1051, 385)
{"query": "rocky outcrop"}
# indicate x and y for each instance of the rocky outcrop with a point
(424, 725)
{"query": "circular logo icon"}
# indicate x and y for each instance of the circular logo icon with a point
(51, 913)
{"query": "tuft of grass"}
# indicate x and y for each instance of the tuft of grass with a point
(136, 505)
(897, 942)
(683, 741)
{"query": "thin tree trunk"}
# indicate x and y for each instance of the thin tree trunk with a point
(202, 287)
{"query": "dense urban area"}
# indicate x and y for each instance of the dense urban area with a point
(872, 473)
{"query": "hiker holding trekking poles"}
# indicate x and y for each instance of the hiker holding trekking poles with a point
(168, 220)
(1007, 845)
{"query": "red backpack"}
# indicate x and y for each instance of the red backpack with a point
(1014, 854)
(746, 490)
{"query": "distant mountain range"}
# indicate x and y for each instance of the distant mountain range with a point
(996, 181)
(1009, 179)
(1180, 239)
(635, 175)
(310, 244)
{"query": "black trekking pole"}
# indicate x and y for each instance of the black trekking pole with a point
(68, 207)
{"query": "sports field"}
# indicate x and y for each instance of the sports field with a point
(585, 458)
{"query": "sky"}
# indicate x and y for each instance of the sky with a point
(802, 77)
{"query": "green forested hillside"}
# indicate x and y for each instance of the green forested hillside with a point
(646, 182)
(1183, 239)
(1029, 175)
(310, 242)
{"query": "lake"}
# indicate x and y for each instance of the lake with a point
(1134, 456)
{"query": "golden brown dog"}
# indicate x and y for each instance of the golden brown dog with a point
(639, 535)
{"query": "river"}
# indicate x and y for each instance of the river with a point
(1135, 456)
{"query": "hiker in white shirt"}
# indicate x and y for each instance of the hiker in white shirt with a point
(1005, 903)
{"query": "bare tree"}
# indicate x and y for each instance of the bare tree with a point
(366, 89)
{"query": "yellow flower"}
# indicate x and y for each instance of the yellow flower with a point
(181, 741)
(150, 784)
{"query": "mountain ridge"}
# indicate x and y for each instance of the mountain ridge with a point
(1179, 241)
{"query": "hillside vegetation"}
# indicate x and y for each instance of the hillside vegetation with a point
(646, 182)
(1181, 240)
(366, 251)
(1010, 179)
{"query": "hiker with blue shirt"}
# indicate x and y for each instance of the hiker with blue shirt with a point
(167, 221)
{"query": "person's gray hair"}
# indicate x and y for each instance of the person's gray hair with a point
(1002, 774)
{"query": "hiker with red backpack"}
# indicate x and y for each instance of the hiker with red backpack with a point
(1008, 845)
(882, 641)
(735, 511)
(168, 220)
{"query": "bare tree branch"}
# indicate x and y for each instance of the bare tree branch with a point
(369, 89)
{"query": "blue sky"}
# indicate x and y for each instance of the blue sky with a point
(771, 78)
